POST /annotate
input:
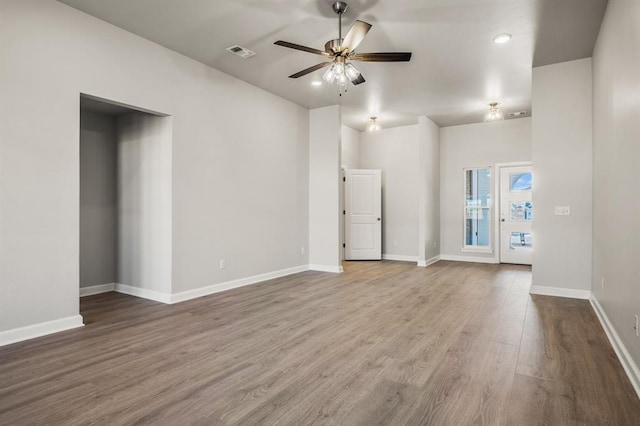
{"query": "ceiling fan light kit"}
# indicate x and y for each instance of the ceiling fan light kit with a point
(341, 51)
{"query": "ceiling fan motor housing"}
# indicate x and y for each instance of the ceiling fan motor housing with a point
(333, 46)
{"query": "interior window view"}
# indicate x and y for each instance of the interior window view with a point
(409, 212)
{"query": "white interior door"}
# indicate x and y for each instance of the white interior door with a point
(516, 242)
(363, 215)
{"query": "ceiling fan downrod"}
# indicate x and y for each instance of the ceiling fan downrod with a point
(340, 7)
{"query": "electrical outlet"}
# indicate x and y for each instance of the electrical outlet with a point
(223, 263)
(635, 327)
(602, 283)
(302, 251)
(395, 243)
(435, 244)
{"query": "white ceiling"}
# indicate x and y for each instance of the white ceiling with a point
(456, 69)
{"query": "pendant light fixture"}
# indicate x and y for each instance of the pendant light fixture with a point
(373, 125)
(494, 113)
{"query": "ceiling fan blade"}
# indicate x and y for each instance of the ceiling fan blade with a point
(300, 47)
(355, 36)
(358, 80)
(310, 69)
(382, 57)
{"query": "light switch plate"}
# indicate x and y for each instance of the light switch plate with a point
(562, 210)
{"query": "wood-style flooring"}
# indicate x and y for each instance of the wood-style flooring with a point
(383, 343)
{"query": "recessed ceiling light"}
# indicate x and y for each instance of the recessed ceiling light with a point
(316, 83)
(502, 38)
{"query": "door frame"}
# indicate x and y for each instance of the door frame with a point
(498, 204)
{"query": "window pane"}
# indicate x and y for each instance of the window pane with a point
(477, 226)
(520, 210)
(519, 182)
(478, 187)
(520, 241)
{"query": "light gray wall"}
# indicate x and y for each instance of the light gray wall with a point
(429, 190)
(144, 205)
(98, 199)
(239, 167)
(395, 152)
(562, 165)
(474, 145)
(616, 133)
(324, 188)
(350, 148)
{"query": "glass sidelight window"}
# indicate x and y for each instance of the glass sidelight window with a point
(477, 208)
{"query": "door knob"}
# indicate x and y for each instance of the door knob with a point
(379, 219)
(502, 220)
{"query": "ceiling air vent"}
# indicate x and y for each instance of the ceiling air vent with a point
(517, 114)
(241, 51)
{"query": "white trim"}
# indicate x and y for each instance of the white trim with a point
(326, 268)
(620, 349)
(400, 257)
(144, 293)
(241, 282)
(97, 289)
(571, 293)
(16, 335)
(476, 259)
(425, 263)
(476, 249)
(514, 164)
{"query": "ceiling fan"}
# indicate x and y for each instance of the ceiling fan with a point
(341, 51)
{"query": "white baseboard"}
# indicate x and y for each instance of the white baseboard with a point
(97, 289)
(560, 292)
(216, 288)
(425, 263)
(620, 349)
(144, 293)
(36, 330)
(475, 259)
(400, 257)
(204, 291)
(326, 268)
